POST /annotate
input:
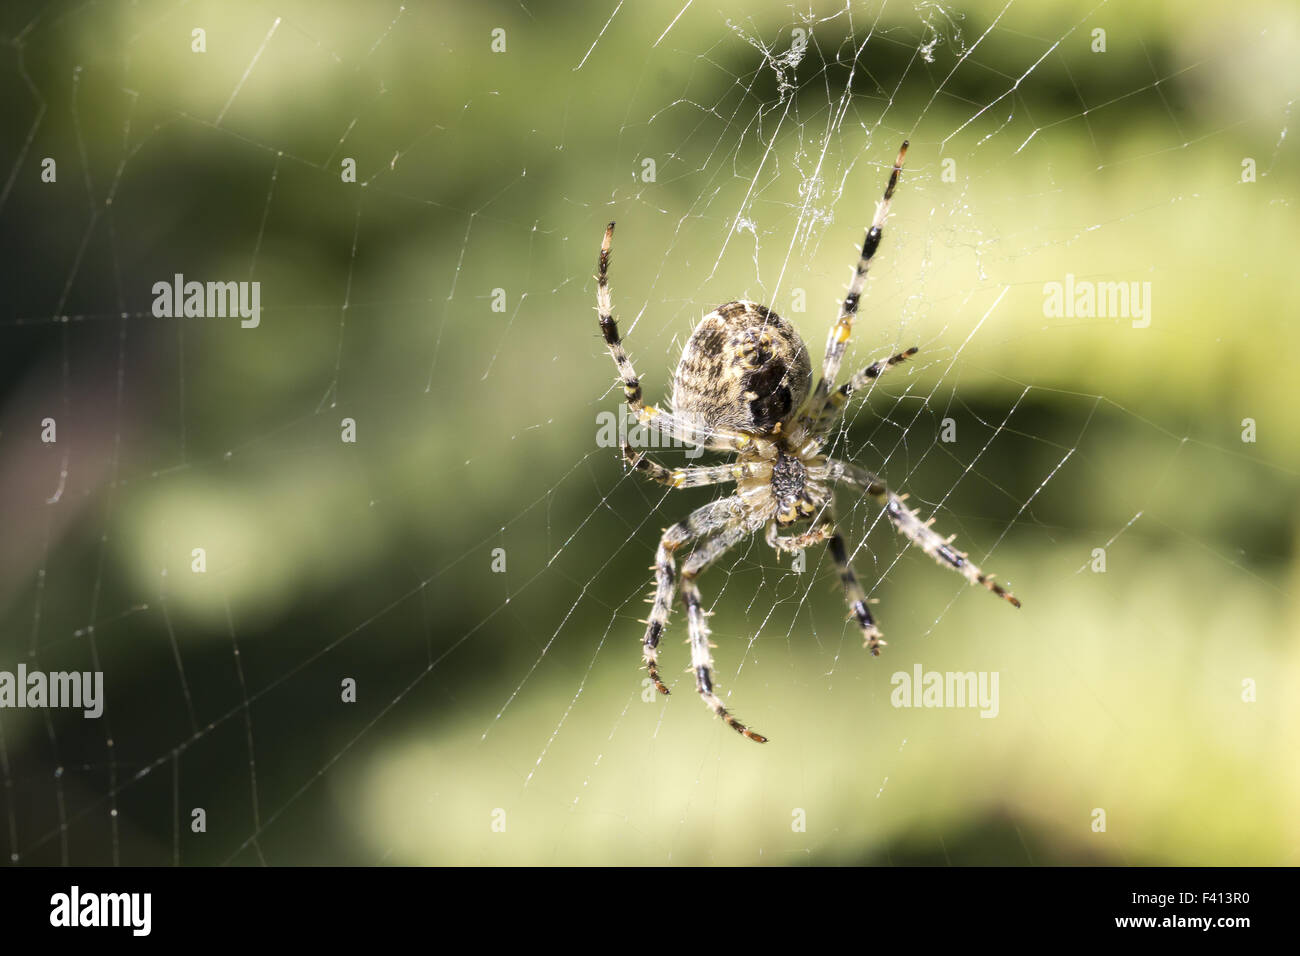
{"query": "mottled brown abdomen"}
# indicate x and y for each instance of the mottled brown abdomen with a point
(744, 368)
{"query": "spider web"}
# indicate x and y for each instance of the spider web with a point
(475, 561)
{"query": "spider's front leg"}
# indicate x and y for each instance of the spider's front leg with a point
(910, 525)
(705, 553)
(700, 523)
(872, 639)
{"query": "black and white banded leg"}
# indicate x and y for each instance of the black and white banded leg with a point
(693, 477)
(705, 553)
(842, 331)
(917, 531)
(700, 524)
(838, 400)
(856, 598)
(665, 422)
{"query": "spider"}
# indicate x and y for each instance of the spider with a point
(742, 386)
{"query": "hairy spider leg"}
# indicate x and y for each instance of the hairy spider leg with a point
(705, 553)
(838, 339)
(665, 422)
(911, 526)
(700, 523)
(693, 477)
(838, 400)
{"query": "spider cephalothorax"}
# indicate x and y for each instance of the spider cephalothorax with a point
(742, 386)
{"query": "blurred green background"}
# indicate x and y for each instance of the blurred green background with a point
(499, 717)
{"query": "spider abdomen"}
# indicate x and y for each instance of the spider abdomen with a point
(744, 369)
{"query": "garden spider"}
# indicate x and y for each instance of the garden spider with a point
(742, 386)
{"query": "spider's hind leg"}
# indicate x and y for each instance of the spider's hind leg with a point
(665, 422)
(838, 340)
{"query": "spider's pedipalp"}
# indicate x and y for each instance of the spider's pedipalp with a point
(795, 543)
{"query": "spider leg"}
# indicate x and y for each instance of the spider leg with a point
(837, 400)
(919, 532)
(665, 422)
(694, 477)
(838, 340)
(873, 640)
(705, 553)
(823, 529)
(700, 523)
